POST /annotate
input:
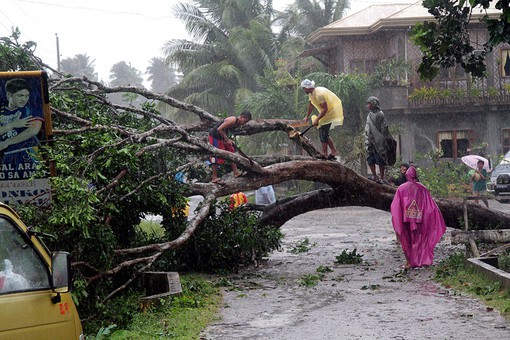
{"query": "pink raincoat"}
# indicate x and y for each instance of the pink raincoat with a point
(417, 221)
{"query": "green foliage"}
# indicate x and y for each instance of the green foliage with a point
(446, 41)
(450, 267)
(80, 66)
(226, 240)
(323, 269)
(392, 70)
(347, 257)
(105, 332)
(301, 246)
(123, 73)
(151, 230)
(455, 273)
(310, 280)
(427, 93)
(181, 316)
(90, 216)
(118, 311)
(304, 17)
(233, 43)
(17, 56)
(504, 261)
(443, 178)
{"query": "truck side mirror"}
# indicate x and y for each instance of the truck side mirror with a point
(60, 272)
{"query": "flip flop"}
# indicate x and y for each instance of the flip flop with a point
(218, 181)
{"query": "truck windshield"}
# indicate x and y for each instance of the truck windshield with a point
(21, 269)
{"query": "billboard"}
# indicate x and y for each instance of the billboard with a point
(25, 124)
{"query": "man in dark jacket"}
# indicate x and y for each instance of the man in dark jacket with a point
(376, 136)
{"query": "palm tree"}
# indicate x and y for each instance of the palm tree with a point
(233, 43)
(79, 65)
(305, 16)
(123, 73)
(161, 75)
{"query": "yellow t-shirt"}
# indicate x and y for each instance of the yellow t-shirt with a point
(335, 114)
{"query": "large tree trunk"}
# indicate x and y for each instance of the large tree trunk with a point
(486, 236)
(347, 188)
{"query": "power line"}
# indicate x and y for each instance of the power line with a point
(98, 10)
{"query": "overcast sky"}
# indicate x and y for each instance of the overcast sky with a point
(108, 31)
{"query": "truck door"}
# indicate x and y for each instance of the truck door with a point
(26, 307)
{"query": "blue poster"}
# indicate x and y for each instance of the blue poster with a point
(25, 122)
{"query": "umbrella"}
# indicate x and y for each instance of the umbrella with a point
(471, 160)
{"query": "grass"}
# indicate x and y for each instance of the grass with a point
(456, 274)
(310, 280)
(152, 228)
(178, 317)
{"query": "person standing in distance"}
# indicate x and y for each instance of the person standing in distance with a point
(479, 178)
(331, 114)
(376, 135)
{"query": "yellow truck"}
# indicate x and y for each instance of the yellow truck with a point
(35, 301)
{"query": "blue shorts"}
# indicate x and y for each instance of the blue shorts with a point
(324, 133)
(374, 158)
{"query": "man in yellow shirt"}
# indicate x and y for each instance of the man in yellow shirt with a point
(331, 114)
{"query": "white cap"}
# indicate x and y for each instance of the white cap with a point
(308, 84)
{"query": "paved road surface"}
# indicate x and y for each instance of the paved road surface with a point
(375, 300)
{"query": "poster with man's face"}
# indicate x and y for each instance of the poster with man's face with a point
(25, 123)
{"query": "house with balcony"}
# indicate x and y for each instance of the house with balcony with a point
(454, 113)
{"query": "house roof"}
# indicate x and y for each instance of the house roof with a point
(376, 17)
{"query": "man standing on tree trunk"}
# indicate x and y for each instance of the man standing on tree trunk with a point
(376, 135)
(331, 114)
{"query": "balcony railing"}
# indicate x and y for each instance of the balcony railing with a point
(455, 101)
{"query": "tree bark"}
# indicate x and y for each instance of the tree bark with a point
(347, 188)
(486, 236)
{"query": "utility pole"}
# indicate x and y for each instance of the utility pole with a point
(58, 53)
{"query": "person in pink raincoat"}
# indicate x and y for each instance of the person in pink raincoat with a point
(417, 221)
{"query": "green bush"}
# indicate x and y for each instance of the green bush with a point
(226, 240)
(443, 178)
(456, 274)
(347, 257)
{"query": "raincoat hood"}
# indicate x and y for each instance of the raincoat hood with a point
(411, 174)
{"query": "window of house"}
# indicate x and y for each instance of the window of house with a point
(505, 140)
(454, 143)
(362, 65)
(505, 62)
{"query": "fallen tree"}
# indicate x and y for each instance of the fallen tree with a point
(141, 134)
(485, 236)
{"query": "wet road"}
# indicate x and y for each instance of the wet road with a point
(374, 300)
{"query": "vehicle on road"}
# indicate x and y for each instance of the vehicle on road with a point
(499, 182)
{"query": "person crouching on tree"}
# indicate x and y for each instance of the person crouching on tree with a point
(219, 137)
